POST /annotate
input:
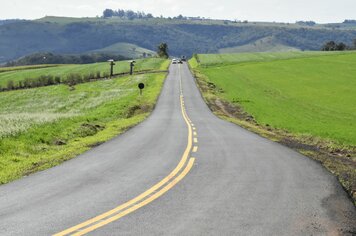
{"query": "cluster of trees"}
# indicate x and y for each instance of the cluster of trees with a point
(306, 23)
(47, 80)
(50, 58)
(129, 14)
(334, 46)
(163, 50)
(349, 22)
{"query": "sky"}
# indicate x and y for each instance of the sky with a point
(321, 11)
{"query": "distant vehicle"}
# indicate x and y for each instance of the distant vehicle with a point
(174, 61)
(180, 61)
(184, 58)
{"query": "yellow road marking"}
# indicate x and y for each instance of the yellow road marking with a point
(194, 128)
(195, 140)
(141, 204)
(138, 200)
(195, 149)
(195, 133)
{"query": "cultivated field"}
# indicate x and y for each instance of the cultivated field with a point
(233, 58)
(17, 74)
(45, 126)
(303, 99)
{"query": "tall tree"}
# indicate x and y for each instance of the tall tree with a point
(329, 46)
(163, 50)
(121, 13)
(355, 44)
(341, 47)
(108, 13)
(131, 15)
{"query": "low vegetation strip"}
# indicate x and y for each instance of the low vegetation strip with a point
(307, 103)
(45, 126)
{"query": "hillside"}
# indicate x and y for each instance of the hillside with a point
(184, 37)
(128, 50)
(267, 44)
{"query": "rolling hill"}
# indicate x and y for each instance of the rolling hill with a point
(128, 50)
(63, 35)
(267, 44)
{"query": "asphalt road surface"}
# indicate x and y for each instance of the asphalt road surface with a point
(183, 171)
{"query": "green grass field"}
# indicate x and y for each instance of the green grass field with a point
(304, 100)
(63, 70)
(206, 60)
(313, 95)
(43, 127)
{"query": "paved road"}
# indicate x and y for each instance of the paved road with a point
(181, 172)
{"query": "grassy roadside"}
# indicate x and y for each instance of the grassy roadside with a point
(256, 97)
(45, 126)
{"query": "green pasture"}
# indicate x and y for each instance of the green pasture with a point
(234, 58)
(305, 93)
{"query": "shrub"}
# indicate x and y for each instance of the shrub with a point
(106, 75)
(27, 83)
(98, 75)
(42, 81)
(57, 79)
(86, 78)
(50, 80)
(10, 85)
(91, 76)
(73, 79)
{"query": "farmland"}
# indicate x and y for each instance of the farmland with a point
(45, 126)
(307, 98)
(17, 74)
(206, 60)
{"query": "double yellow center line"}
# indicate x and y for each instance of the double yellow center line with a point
(180, 171)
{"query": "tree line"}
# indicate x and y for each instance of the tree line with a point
(129, 14)
(349, 22)
(334, 46)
